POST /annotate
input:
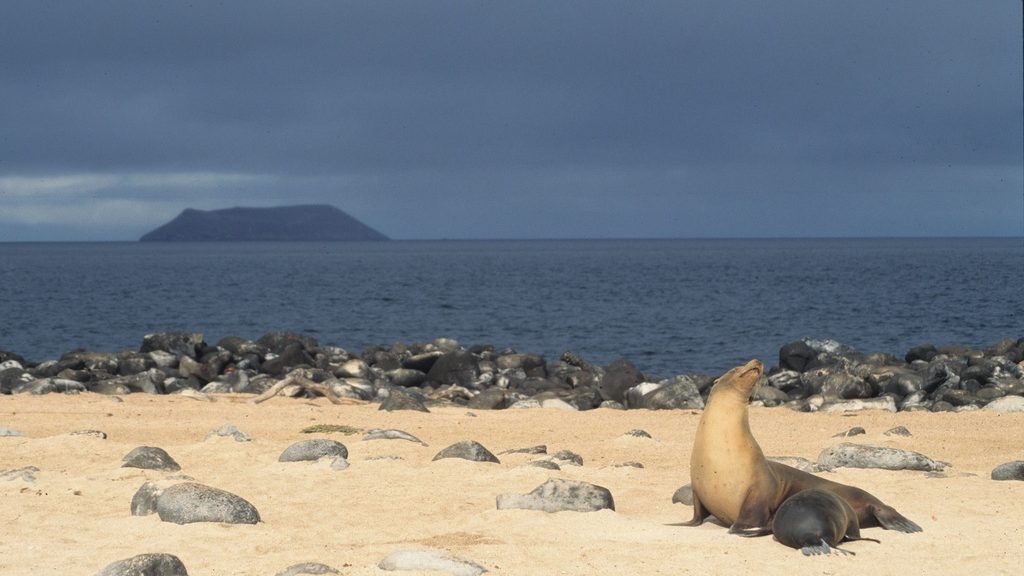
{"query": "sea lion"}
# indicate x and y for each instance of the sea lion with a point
(815, 521)
(733, 481)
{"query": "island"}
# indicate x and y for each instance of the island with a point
(314, 222)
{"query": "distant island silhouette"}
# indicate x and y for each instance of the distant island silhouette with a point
(316, 222)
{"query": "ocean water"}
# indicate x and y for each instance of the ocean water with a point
(670, 306)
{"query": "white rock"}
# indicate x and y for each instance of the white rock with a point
(1006, 404)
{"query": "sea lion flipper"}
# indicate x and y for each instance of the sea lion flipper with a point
(824, 548)
(754, 518)
(890, 519)
(700, 514)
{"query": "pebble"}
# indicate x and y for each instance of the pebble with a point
(28, 474)
(308, 568)
(898, 431)
(391, 434)
(539, 449)
(229, 430)
(1006, 404)
(9, 432)
(638, 433)
(855, 431)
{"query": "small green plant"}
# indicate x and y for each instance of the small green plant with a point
(326, 428)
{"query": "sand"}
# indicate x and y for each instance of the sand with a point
(74, 519)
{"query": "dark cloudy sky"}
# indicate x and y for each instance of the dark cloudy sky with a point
(436, 119)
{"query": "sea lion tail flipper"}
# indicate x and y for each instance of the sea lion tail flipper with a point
(890, 519)
(823, 548)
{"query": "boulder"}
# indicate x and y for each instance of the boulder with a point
(146, 565)
(310, 450)
(467, 450)
(190, 502)
(177, 343)
(557, 495)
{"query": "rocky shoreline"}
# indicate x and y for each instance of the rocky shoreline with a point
(811, 375)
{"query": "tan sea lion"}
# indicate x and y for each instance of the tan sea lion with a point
(816, 521)
(733, 481)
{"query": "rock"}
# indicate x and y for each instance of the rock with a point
(279, 341)
(557, 404)
(619, 376)
(150, 458)
(539, 449)
(51, 385)
(489, 399)
(422, 362)
(27, 473)
(144, 500)
(293, 356)
(180, 344)
(430, 561)
(9, 432)
(881, 403)
(796, 356)
(526, 362)
(557, 495)
(525, 404)
(146, 565)
(638, 433)
(402, 399)
(845, 386)
(308, 450)
(391, 434)
(93, 433)
(569, 457)
(924, 352)
(684, 495)
(405, 377)
(548, 464)
(229, 430)
(308, 568)
(862, 456)
(467, 450)
(189, 502)
(460, 368)
(855, 431)
(1001, 405)
(679, 393)
(898, 431)
(629, 464)
(1009, 471)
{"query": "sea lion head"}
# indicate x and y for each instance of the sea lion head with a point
(740, 380)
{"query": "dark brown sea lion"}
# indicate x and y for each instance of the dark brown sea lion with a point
(816, 521)
(733, 481)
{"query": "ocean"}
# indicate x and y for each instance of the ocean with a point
(669, 306)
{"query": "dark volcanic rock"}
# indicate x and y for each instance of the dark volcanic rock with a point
(459, 367)
(150, 458)
(467, 450)
(557, 495)
(189, 502)
(293, 355)
(403, 399)
(796, 356)
(177, 343)
(278, 341)
(680, 393)
(619, 376)
(924, 352)
(146, 565)
(313, 450)
(318, 222)
(490, 399)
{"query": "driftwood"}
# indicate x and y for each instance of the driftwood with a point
(306, 384)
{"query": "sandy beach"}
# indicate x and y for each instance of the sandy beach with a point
(74, 518)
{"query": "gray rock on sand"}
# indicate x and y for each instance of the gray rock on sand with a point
(391, 434)
(557, 495)
(1009, 471)
(91, 433)
(430, 560)
(28, 474)
(863, 456)
(9, 432)
(568, 457)
(189, 502)
(144, 500)
(229, 430)
(898, 431)
(548, 464)
(855, 431)
(150, 458)
(539, 449)
(308, 568)
(308, 450)
(468, 450)
(1006, 404)
(684, 495)
(146, 565)
(638, 433)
